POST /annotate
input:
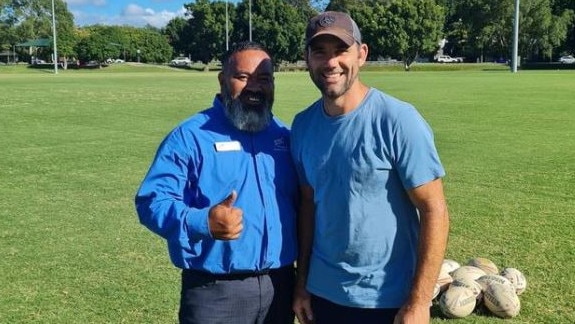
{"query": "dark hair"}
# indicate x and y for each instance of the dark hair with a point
(240, 47)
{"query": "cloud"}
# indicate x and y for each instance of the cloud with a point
(97, 3)
(133, 10)
(137, 15)
(131, 14)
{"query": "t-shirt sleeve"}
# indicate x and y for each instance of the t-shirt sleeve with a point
(295, 149)
(415, 153)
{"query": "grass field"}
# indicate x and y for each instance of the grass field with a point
(75, 147)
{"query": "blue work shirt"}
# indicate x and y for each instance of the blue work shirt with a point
(196, 167)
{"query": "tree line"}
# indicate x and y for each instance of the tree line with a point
(406, 30)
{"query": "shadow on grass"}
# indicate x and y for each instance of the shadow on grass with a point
(45, 68)
(197, 67)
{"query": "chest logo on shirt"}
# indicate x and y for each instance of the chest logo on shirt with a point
(280, 144)
(228, 146)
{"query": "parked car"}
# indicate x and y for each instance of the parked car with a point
(93, 64)
(448, 59)
(180, 61)
(110, 61)
(569, 59)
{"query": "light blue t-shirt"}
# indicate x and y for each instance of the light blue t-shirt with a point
(366, 229)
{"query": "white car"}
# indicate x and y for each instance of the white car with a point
(180, 61)
(448, 59)
(569, 59)
(110, 61)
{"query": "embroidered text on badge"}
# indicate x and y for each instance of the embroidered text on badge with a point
(228, 146)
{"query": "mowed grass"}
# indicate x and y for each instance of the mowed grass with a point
(75, 147)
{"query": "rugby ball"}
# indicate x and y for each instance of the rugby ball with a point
(457, 302)
(467, 271)
(484, 264)
(436, 291)
(517, 279)
(501, 300)
(486, 280)
(469, 284)
(449, 265)
(444, 280)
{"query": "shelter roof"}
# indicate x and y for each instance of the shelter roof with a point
(39, 42)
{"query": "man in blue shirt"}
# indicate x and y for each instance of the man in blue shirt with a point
(373, 220)
(222, 190)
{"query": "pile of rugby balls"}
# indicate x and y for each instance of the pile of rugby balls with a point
(462, 289)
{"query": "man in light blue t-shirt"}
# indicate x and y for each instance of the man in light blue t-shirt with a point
(373, 221)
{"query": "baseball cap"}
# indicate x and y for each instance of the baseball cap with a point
(338, 24)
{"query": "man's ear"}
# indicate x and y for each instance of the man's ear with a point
(221, 78)
(363, 51)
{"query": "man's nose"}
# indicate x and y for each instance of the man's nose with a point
(255, 84)
(332, 61)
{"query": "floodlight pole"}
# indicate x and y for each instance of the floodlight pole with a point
(227, 29)
(515, 38)
(55, 53)
(250, 20)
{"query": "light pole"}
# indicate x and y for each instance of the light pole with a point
(515, 38)
(54, 36)
(250, 20)
(227, 29)
(138, 51)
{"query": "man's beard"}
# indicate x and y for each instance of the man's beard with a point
(326, 91)
(245, 117)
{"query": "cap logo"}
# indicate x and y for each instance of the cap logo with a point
(327, 21)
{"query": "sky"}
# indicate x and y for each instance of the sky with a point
(125, 12)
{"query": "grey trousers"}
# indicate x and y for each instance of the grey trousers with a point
(237, 299)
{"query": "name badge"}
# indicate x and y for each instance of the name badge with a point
(228, 146)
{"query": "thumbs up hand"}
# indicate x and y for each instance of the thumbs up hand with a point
(225, 220)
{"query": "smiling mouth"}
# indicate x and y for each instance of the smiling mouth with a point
(331, 75)
(252, 99)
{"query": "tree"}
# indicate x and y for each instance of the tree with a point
(205, 32)
(566, 10)
(99, 43)
(154, 46)
(541, 30)
(305, 10)
(488, 25)
(403, 29)
(412, 28)
(174, 31)
(369, 16)
(65, 32)
(347, 5)
(21, 20)
(95, 43)
(278, 25)
(8, 19)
